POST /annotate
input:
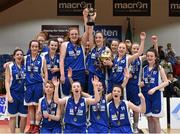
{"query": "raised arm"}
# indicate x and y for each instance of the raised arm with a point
(96, 98)
(141, 48)
(85, 34)
(109, 97)
(88, 34)
(86, 95)
(164, 83)
(126, 77)
(91, 36)
(154, 40)
(141, 108)
(56, 94)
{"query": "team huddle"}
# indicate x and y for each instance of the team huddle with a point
(85, 86)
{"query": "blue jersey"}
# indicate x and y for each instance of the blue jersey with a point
(75, 114)
(154, 102)
(135, 70)
(132, 87)
(93, 62)
(150, 77)
(33, 69)
(17, 91)
(74, 58)
(117, 74)
(119, 118)
(51, 109)
(52, 63)
(98, 113)
(18, 78)
(88, 59)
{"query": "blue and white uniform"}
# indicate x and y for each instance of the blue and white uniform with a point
(132, 87)
(117, 72)
(98, 118)
(17, 83)
(46, 125)
(94, 69)
(75, 59)
(75, 116)
(34, 80)
(152, 78)
(119, 118)
(51, 63)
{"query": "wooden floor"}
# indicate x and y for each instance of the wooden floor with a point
(5, 129)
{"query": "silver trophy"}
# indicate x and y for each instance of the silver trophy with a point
(91, 13)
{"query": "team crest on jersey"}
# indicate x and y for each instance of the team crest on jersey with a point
(94, 108)
(122, 116)
(123, 108)
(93, 56)
(120, 69)
(71, 53)
(80, 112)
(138, 63)
(78, 52)
(103, 101)
(82, 104)
(154, 72)
(114, 117)
(122, 61)
(53, 112)
(102, 108)
(38, 62)
(49, 66)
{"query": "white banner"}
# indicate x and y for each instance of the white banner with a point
(175, 113)
(2, 107)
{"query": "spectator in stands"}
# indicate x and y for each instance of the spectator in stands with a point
(161, 53)
(172, 58)
(166, 65)
(169, 49)
(176, 68)
(173, 87)
(128, 44)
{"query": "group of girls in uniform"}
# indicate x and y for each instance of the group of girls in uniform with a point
(115, 85)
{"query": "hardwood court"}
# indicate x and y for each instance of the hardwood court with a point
(5, 129)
